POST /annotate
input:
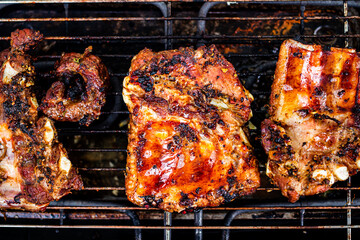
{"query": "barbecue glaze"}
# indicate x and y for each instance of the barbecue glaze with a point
(187, 148)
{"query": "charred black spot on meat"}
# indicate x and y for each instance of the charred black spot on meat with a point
(155, 100)
(185, 200)
(280, 140)
(17, 198)
(26, 128)
(74, 86)
(210, 125)
(149, 199)
(187, 132)
(15, 109)
(146, 83)
(340, 93)
(177, 142)
(318, 91)
(175, 60)
(226, 195)
(324, 116)
(169, 146)
(231, 180)
(153, 69)
(349, 149)
(292, 172)
(84, 120)
(298, 54)
(136, 74)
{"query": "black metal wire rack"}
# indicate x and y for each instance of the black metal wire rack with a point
(249, 34)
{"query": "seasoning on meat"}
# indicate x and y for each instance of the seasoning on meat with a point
(34, 167)
(187, 148)
(79, 95)
(312, 135)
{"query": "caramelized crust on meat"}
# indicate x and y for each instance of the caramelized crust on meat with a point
(187, 148)
(34, 167)
(25, 39)
(312, 134)
(67, 99)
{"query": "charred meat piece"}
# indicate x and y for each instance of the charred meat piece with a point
(34, 167)
(4, 55)
(79, 95)
(21, 40)
(25, 39)
(312, 135)
(187, 148)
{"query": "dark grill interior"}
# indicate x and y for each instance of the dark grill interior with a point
(249, 34)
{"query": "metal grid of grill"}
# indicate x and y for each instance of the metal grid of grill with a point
(249, 34)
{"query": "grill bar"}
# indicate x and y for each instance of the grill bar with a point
(224, 37)
(283, 206)
(348, 195)
(183, 227)
(102, 19)
(198, 222)
(330, 207)
(307, 2)
(167, 225)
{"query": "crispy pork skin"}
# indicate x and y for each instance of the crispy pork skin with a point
(187, 148)
(34, 167)
(312, 134)
(79, 95)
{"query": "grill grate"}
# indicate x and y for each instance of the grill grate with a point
(249, 34)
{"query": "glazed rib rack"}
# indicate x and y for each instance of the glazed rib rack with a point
(249, 34)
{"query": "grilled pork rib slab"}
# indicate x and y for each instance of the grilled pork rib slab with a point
(187, 148)
(34, 167)
(312, 135)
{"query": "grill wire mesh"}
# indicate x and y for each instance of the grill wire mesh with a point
(249, 34)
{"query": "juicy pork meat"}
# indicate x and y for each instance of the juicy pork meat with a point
(34, 167)
(68, 99)
(312, 135)
(187, 148)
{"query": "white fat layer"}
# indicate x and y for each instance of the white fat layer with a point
(49, 132)
(10, 188)
(341, 173)
(9, 73)
(64, 163)
(321, 174)
(218, 103)
(12, 185)
(243, 136)
(268, 171)
(358, 163)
